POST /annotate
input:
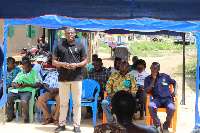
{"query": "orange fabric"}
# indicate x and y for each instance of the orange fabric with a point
(104, 116)
(174, 119)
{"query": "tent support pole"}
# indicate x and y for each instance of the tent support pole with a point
(4, 108)
(183, 85)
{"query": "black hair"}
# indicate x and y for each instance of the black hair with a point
(95, 56)
(26, 62)
(123, 104)
(116, 60)
(135, 57)
(155, 63)
(123, 61)
(140, 62)
(50, 54)
(69, 28)
(98, 60)
(11, 59)
(25, 58)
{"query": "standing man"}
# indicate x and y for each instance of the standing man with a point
(72, 56)
(158, 84)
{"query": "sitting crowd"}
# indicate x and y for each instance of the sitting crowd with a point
(119, 82)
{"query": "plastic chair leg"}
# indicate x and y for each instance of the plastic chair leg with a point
(151, 121)
(104, 118)
(19, 108)
(94, 109)
(31, 111)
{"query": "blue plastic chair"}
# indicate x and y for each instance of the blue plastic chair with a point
(49, 103)
(88, 87)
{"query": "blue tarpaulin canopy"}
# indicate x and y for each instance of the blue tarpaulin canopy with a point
(103, 9)
(139, 26)
(56, 22)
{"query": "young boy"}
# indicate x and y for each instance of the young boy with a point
(25, 81)
(11, 73)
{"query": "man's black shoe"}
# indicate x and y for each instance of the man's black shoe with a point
(9, 119)
(165, 128)
(77, 130)
(88, 116)
(59, 129)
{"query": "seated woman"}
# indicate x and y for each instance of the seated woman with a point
(117, 63)
(118, 81)
(140, 75)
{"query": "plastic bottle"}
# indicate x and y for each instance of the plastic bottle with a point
(17, 116)
(36, 116)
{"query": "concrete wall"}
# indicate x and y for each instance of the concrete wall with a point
(19, 40)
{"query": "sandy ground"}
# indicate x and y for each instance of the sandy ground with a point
(169, 62)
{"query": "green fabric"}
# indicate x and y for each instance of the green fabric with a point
(29, 80)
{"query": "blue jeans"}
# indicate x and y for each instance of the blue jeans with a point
(106, 108)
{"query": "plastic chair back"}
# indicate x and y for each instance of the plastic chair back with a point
(88, 88)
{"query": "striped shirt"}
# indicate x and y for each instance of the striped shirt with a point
(116, 83)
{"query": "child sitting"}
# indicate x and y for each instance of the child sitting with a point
(11, 73)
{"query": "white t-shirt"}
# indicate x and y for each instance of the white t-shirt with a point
(113, 70)
(139, 76)
(39, 69)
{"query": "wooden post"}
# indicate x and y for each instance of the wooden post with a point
(183, 86)
(90, 51)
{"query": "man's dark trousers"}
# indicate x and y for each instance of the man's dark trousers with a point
(24, 96)
(167, 103)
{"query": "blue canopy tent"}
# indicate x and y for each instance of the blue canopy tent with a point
(139, 26)
(103, 9)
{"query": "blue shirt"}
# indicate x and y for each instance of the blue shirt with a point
(161, 86)
(10, 76)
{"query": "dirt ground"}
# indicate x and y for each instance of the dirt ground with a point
(169, 62)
